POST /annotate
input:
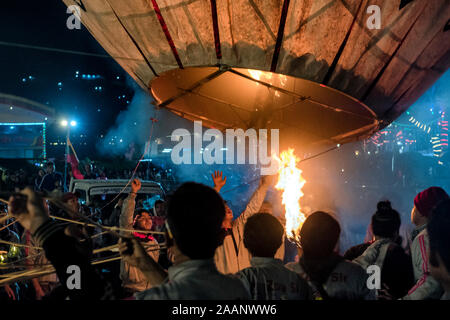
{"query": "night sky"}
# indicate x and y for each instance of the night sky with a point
(53, 74)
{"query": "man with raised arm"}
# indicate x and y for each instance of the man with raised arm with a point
(134, 280)
(232, 256)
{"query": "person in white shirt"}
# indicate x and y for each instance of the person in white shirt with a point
(232, 256)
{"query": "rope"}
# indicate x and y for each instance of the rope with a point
(5, 216)
(320, 153)
(303, 160)
(95, 250)
(10, 224)
(18, 244)
(106, 228)
(90, 222)
(23, 266)
(135, 169)
(107, 260)
(15, 265)
(18, 275)
(35, 273)
(98, 234)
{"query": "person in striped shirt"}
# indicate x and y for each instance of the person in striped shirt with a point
(426, 287)
(439, 232)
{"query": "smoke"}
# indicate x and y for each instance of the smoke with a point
(132, 127)
(242, 180)
(132, 130)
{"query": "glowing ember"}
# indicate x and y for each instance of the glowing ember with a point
(290, 180)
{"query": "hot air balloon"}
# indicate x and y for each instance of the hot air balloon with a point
(321, 71)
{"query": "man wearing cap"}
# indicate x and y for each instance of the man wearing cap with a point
(426, 287)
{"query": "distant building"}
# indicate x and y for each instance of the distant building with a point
(23, 128)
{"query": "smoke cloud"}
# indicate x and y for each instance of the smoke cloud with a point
(132, 128)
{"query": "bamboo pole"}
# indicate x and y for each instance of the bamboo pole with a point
(46, 270)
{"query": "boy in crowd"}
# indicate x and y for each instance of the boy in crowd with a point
(268, 278)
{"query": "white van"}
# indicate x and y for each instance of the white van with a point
(101, 192)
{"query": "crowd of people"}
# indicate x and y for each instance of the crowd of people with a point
(15, 179)
(190, 247)
(46, 177)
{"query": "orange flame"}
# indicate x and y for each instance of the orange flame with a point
(290, 180)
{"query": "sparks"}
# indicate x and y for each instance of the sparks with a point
(290, 180)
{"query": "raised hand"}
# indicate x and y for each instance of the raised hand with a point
(219, 180)
(135, 185)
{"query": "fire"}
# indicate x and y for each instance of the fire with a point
(290, 180)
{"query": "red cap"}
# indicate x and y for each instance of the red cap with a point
(426, 200)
